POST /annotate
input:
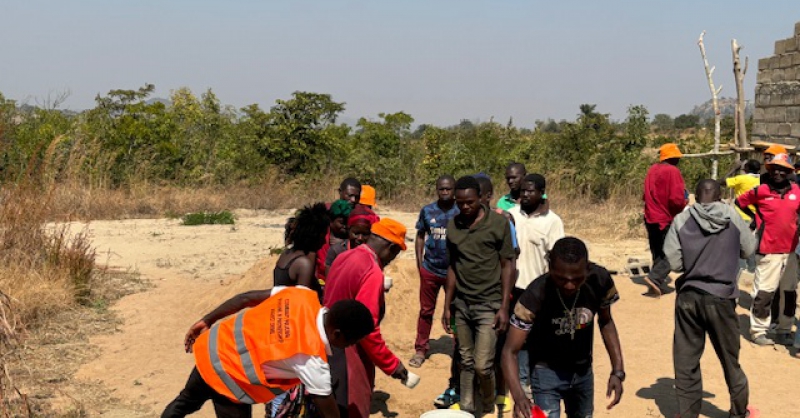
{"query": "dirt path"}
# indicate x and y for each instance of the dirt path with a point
(195, 268)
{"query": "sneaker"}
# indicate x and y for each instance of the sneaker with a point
(503, 403)
(752, 412)
(763, 341)
(447, 399)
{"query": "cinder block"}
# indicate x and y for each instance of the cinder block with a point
(797, 29)
(762, 100)
(790, 74)
(774, 62)
(793, 114)
(763, 64)
(784, 129)
(790, 44)
(758, 114)
(772, 129)
(796, 59)
(764, 76)
(759, 128)
(787, 60)
(780, 47)
(777, 75)
(796, 130)
(776, 114)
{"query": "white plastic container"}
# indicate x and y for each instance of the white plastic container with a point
(446, 413)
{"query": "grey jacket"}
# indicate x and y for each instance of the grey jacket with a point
(705, 242)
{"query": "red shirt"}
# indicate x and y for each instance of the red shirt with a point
(776, 217)
(663, 194)
(357, 274)
(322, 255)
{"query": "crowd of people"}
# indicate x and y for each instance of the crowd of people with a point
(520, 298)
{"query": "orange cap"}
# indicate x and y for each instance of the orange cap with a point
(391, 231)
(781, 159)
(367, 196)
(668, 151)
(775, 149)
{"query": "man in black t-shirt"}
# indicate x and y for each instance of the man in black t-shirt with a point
(556, 315)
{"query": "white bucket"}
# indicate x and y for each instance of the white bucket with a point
(446, 413)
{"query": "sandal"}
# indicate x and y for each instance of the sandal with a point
(417, 360)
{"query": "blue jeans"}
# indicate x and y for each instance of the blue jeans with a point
(524, 367)
(575, 388)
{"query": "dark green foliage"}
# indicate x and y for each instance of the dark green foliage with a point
(129, 138)
(663, 123)
(686, 122)
(209, 218)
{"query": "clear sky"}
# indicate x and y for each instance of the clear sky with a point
(439, 60)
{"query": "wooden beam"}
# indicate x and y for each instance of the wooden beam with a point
(708, 154)
(762, 145)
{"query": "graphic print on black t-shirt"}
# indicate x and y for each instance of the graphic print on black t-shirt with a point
(563, 337)
(573, 320)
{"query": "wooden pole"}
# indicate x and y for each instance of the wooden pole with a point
(714, 94)
(739, 73)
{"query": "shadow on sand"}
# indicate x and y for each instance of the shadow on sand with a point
(663, 393)
(379, 405)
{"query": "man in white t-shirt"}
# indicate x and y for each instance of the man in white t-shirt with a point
(538, 229)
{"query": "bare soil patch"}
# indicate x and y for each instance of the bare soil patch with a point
(193, 269)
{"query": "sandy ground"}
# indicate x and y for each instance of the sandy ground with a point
(193, 269)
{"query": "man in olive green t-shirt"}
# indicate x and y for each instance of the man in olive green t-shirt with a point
(478, 289)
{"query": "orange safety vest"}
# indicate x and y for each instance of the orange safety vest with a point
(229, 356)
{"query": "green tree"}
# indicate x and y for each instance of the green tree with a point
(663, 122)
(637, 126)
(300, 138)
(382, 151)
(685, 121)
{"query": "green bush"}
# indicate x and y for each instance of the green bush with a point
(130, 139)
(209, 218)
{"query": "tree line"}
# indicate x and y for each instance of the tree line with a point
(198, 141)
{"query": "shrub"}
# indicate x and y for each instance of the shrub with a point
(208, 218)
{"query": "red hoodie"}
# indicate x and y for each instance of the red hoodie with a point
(357, 274)
(664, 194)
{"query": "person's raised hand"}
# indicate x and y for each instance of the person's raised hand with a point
(615, 386)
(194, 331)
(501, 321)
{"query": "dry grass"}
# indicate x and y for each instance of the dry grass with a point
(44, 272)
(72, 201)
(42, 365)
(620, 217)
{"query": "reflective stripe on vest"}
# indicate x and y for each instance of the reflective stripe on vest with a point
(244, 356)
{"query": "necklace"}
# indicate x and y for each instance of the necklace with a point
(570, 313)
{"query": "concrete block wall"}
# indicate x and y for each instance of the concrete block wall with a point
(777, 108)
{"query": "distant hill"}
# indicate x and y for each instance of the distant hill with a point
(727, 106)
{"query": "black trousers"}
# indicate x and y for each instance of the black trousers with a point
(697, 314)
(660, 270)
(196, 393)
